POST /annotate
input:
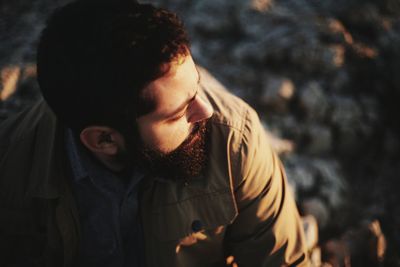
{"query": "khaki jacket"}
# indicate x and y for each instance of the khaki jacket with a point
(241, 211)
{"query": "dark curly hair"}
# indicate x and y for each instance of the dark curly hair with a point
(95, 57)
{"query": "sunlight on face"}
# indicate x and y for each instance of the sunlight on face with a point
(178, 107)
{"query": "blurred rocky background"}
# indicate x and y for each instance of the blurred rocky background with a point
(325, 79)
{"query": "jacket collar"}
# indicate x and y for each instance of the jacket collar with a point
(48, 170)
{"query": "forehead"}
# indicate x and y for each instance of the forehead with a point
(174, 88)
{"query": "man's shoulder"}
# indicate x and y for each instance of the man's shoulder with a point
(229, 110)
(29, 145)
(24, 123)
(235, 127)
(23, 133)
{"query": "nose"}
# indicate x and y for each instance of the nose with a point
(200, 110)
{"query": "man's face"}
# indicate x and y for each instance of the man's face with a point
(173, 136)
(178, 108)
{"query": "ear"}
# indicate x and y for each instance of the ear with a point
(102, 141)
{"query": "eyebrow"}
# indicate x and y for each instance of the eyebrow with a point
(186, 103)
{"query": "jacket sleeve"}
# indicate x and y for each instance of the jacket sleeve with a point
(267, 230)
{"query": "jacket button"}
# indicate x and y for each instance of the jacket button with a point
(197, 226)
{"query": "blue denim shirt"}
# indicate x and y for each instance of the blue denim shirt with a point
(108, 207)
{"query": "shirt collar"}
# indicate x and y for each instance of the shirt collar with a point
(76, 156)
(83, 164)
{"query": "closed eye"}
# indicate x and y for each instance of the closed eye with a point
(179, 116)
(184, 109)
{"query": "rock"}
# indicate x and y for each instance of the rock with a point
(335, 253)
(320, 186)
(212, 17)
(370, 119)
(253, 24)
(346, 113)
(336, 32)
(338, 55)
(275, 40)
(391, 144)
(319, 140)
(317, 179)
(13, 77)
(318, 209)
(366, 18)
(392, 6)
(332, 185)
(316, 58)
(311, 231)
(214, 50)
(347, 121)
(20, 26)
(291, 128)
(291, 7)
(241, 80)
(249, 51)
(281, 146)
(370, 109)
(361, 246)
(9, 77)
(347, 142)
(261, 5)
(276, 93)
(313, 101)
(340, 82)
(302, 176)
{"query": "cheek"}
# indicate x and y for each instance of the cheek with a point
(164, 137)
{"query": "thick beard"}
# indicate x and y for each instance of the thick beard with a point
(186, 162)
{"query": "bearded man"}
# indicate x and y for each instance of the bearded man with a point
(138, 157)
